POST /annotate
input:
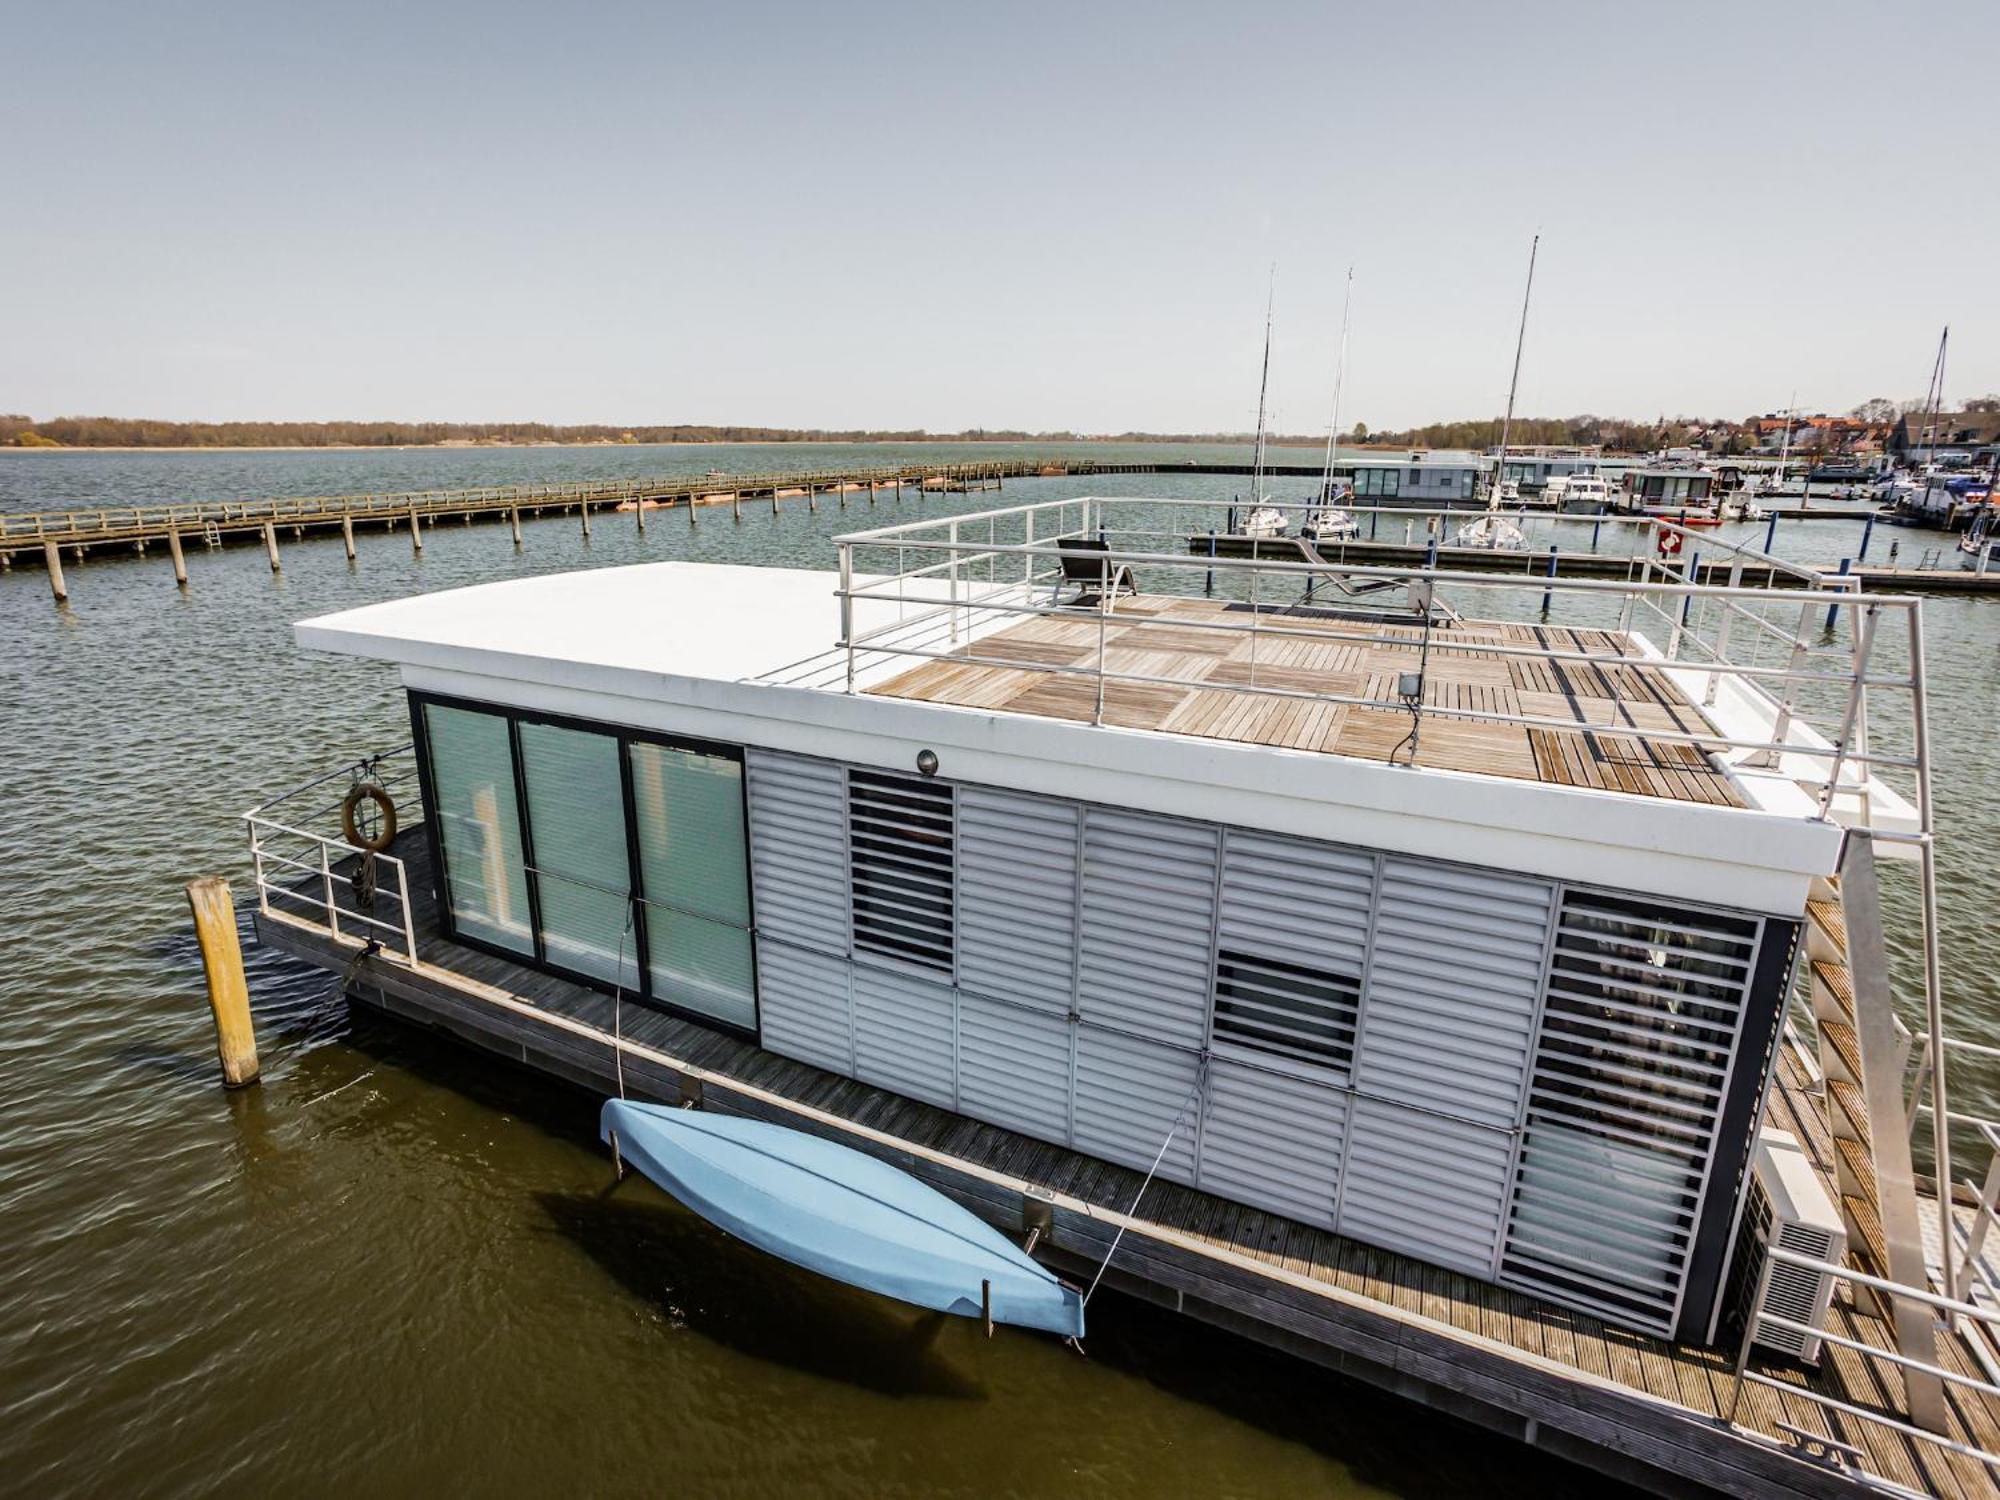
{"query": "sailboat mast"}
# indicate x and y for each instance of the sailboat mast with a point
(1935, 404)
(1339, 375)
(1785, 448)
(1520, 339)
(1263, 386)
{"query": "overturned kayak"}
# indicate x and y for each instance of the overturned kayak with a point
(840, 1213)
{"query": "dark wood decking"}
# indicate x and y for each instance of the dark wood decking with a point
(1018, 669)
(1641, 1408)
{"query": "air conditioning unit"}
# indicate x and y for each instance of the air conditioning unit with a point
(1789, 1207)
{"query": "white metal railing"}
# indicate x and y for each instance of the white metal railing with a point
(304, 867)
(1950, 1311)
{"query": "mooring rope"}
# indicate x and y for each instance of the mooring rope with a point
(618, 1005)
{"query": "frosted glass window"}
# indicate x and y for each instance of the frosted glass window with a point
(472, 783)
(576, 816)
(694, 875)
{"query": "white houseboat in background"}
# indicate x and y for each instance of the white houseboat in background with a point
(1410, 929)
(1439, 480)
(1668, 490)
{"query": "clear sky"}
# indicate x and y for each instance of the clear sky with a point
(946, 214)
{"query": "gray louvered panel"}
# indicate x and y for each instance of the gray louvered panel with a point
(903, 1033)
(1290, 899)
(798, 848)
(1272, 1140)
(1455, 976)
(1017, 897)
(802, 1005)
(1430, 1187)
(1127, 1094)
(1148, 917)
(1014, 1067)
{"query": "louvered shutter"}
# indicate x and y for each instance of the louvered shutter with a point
(1453, 985)
(904, 1028)
(804, 1009)
(1272, 1139)
(1014, 1067)
(1447, 1021)
(1128, 1092)
(1017, 859)
(798, 849)
(1639, 1032)
(1148, 923)
(1424, 1184)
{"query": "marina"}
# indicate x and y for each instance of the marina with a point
(939, 1058)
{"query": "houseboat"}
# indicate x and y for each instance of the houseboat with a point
(1398, 978)
(1671, 490)
(1422, 479)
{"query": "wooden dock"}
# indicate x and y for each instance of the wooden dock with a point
(1577, 562)
(1640, 1409)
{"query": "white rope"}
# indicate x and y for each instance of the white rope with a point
(1200, 1077)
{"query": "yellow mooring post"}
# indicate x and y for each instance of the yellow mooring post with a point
(228, 991)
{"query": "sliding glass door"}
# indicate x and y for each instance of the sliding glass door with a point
(604, 854)
(695, 880)
(479, 825)
(583, 867)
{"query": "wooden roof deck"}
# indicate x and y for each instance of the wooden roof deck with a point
(462, 984)
(1161, 636)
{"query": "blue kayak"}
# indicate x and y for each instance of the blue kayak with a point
(838, 1212)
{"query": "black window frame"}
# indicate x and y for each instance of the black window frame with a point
(624, 736)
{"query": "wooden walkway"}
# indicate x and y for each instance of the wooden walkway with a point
(1634, 1407)
(1021, 669)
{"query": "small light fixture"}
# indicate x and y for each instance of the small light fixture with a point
(927, 762)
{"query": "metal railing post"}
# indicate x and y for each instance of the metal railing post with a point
(409, 917)
(847, 608)
(1933, 976)
(1750, 1322)
(1103, 624)
(326, 881)
(952, 537)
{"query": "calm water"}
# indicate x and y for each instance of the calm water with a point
(393, 1266)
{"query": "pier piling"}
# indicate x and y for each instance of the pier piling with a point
(347, 533)
(52, 554)
(583, 509)
(416, 531)
(639, 512)
(271, 547)
(514, 521)
(228, 991)
(174, 550)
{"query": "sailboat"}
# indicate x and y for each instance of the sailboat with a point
(1494, 531)
(1326, 521)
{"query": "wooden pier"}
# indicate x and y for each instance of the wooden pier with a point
(1641, 1409)
(1533, 563)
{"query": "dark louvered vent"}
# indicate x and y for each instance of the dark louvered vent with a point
(1286, 1009)
(1638, 1032)
(900, 840)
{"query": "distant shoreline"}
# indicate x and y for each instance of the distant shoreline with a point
(1156, 442)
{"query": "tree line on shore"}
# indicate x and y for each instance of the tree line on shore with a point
(1615, 434)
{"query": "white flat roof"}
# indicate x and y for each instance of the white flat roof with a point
(746, 655)
(677, 619)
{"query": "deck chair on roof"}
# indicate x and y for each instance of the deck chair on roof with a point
(1083, 565)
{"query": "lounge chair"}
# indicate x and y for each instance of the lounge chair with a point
(1083, 565)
